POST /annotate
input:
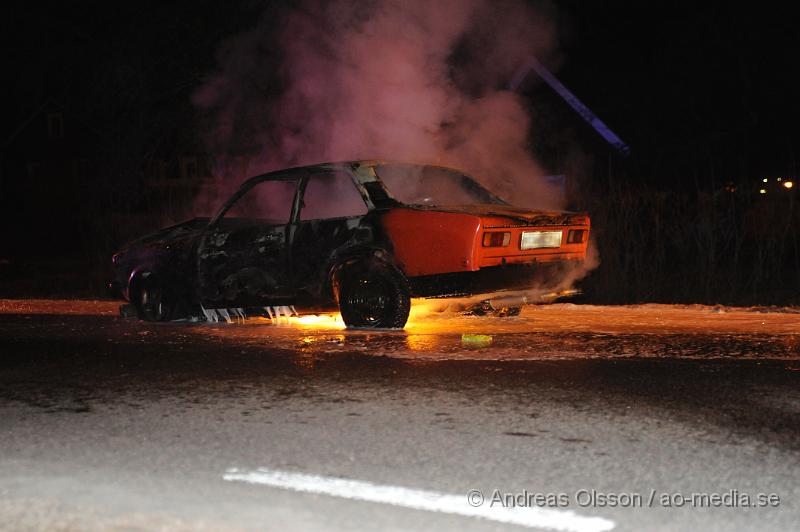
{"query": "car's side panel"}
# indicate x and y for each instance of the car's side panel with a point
(428, 242)
(242, 257)
(242, 263)
(170, 253)
(431, 242)
(316, 243)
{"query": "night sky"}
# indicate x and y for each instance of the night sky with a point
(692, 87)
(690, 84)
(674, 79)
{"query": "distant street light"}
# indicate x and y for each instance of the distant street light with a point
(788, 184)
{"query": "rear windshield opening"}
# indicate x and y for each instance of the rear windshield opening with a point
(433, 186)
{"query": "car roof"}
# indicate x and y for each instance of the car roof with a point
(292, 171)
(363, 171)
(353, 166)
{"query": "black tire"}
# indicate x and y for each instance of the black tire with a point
(373, 294)
(153, 300)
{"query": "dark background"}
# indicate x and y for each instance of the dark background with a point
(101, 143)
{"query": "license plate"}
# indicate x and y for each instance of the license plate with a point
(540, 239)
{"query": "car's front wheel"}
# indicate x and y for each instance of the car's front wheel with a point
(373, 294)
(153, 300)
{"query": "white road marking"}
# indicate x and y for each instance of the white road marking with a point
(564, 520)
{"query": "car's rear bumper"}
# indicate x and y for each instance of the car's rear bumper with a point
(530, 275)
(565, 249)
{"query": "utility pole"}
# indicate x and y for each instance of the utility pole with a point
(571, 99)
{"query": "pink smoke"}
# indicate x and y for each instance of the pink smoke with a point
(409, 80)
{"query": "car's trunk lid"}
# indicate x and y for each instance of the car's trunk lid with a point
(493, 215)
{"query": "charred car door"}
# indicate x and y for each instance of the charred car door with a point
(331, 218)
(243, 255)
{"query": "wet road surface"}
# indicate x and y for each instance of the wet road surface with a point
(112, 423)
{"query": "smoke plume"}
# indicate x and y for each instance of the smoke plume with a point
(408, 80)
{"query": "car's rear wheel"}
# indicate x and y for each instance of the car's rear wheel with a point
(373, 294)
(153, 300)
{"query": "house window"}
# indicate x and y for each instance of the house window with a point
(55, 125)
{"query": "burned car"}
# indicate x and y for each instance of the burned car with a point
(362, 237)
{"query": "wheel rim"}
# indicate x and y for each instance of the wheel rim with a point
(152, 303)
(368, 299)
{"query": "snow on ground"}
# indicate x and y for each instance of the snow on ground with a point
(557, 331)
(434, 316)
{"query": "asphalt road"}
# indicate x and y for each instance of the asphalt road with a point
(108, 423)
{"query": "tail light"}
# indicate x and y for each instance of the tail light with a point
(496, 239)
(576, 236)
